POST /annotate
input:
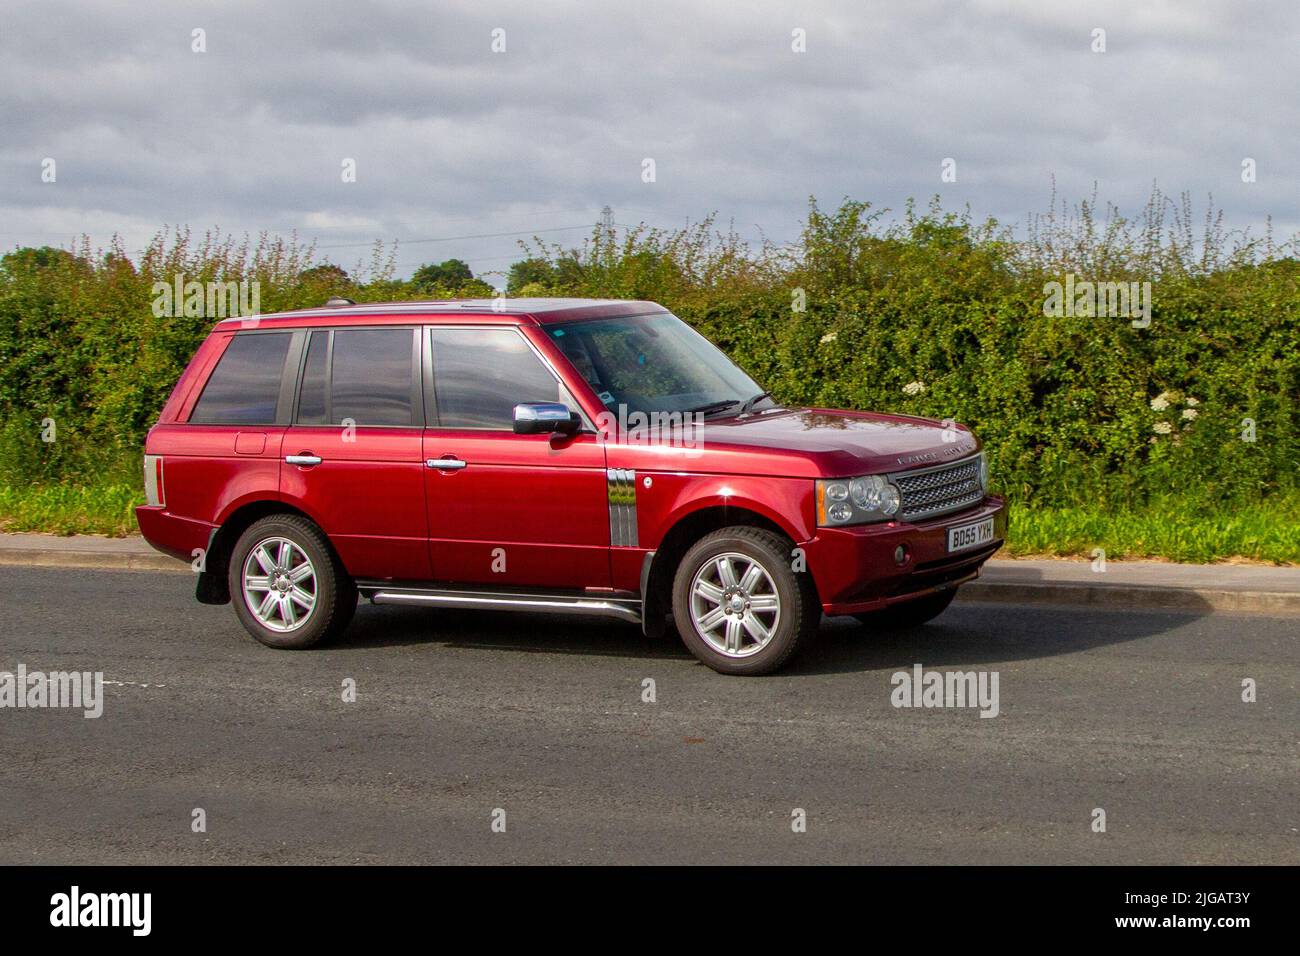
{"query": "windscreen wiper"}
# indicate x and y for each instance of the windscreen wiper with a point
(751, 402)
(711, 407)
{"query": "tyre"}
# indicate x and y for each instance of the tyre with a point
(738, 604)
(287, 587)
(910, 613)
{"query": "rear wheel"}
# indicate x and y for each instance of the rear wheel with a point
(287, 587)
(738, 604)
(909, 613)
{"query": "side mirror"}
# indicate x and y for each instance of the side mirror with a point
(535, 418)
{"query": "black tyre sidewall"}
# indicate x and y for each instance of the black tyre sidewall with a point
(798, 619)
(335, 594)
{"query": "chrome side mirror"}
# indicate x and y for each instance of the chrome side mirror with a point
(535, 418)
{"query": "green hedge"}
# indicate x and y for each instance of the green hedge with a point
(1076, 412)
(81, 346)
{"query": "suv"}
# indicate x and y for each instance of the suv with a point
(551, 455)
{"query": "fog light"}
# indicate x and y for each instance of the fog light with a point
(900, 554)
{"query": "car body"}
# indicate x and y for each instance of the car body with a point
(559, 455)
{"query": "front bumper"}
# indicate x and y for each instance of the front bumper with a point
(855, 570)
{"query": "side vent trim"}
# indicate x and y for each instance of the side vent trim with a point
(622, 507)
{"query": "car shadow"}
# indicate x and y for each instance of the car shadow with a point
(384, 626)
(968, 633)
(973, 633)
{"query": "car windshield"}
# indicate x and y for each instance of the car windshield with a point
(655, 363)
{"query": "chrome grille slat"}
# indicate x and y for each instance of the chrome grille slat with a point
(940, 490)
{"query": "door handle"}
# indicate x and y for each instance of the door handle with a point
(445, 464)
(304, 459)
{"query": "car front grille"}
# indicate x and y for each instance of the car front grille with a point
(938, 491)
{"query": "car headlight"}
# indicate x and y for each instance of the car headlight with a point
(855, 500)
(984, 473)
(867, 492)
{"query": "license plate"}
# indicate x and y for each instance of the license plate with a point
(970, 535)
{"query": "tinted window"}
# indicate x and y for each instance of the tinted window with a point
(245, 385)
(312, 408)
(481, 374)
(371, 378)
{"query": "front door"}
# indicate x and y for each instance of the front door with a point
(505, 509)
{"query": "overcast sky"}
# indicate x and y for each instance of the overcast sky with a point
(453, 139)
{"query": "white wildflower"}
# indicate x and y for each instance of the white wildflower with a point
(1162, 428)
(829, 337)
(1189, 413)
(1159, 403)
(914, 388)
(1193, 401)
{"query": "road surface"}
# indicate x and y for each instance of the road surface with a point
(460, 715)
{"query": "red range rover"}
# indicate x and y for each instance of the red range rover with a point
(553, 455)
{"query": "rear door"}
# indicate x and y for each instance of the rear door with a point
(507, 509)
(353, 453)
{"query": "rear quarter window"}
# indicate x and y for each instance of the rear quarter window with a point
(245, 386)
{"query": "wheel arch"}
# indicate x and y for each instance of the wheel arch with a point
(684, 532)
(213, 586)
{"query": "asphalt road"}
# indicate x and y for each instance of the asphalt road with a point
(1137, 713)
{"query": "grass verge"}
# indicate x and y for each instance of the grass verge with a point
(70, 509)
(1268, 532)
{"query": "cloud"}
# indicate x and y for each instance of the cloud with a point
(451, 139)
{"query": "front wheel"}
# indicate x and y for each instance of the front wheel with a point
(739, 605)
(288, 589)
(909, 613)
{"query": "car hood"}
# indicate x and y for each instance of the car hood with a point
(839, 443)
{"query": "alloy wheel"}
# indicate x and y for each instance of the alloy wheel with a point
(279, 584)
(735, 607)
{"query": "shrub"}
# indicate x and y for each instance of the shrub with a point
(927, 313)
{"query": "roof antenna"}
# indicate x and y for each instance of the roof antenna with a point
(336, 300)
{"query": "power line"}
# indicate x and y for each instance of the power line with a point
(482, 235)
(606, 221)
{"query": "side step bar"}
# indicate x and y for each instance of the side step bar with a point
(625, 609)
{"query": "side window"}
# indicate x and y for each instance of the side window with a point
(365, 375)
(479, 375)
(245, 386)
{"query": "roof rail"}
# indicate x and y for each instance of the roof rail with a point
(336, 300)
